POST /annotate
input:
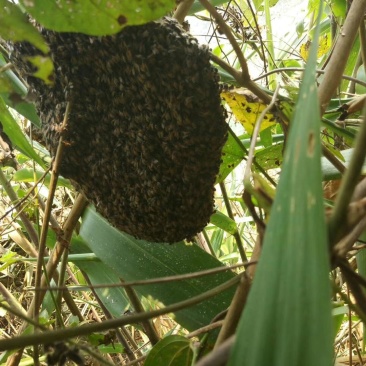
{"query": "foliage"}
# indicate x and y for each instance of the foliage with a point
(279, 202)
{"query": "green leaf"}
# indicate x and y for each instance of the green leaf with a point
(339, 8)
(266, 137)
(173, 350)
(232, 156)
(332, 173)
(13, 92)
(338, 313)
(112, 348)
(95, 18)
(15, 134)
(270, 157)
(287, 318)
(44, 67)
(114, 299)
(8, 259)
(14, 26)
(224, 222)
(29, 175)
(133, 259)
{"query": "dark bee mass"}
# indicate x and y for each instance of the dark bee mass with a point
(146, 127)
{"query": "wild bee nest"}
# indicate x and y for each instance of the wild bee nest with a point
(145, 130)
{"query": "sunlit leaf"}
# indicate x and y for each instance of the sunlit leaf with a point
(339, 8)
(9, 258)
(95, 17)
(323, 47)
(44, 67)
(247, 107)
(14, 26)
(223, 222)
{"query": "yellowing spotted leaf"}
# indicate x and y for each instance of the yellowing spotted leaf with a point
(247, 107)
(323, 48)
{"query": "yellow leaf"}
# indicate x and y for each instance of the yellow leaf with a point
(323, 48)
(44, 67)
(247, 107)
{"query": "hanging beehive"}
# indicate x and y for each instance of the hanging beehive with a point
(146, 127)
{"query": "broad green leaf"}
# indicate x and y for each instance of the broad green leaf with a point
(15, 134)
(173, 350)
(232, 156)
(95, 17)
(287, 318)
(114, 299)
(224, 222)
(133, 259)
(14, 26)
(270, 157)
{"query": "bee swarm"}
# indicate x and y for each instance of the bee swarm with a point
(146, 128)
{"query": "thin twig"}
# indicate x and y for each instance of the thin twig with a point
(205, 329)
(62, 334)
(236, 235)
(51, 267)
(152, 281)
(25, 197)
(239, 300)
(244, 149)
(6, 67)
(334, 70)
(285, 69)
(345, 244)
(182, 10)
(220, 355)
(47, 212)
(127, 349)
(14, 198)
(338, 220)
(255, 134)
(228, 33)
(147, 324)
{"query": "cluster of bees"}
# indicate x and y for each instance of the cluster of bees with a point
(146, 127)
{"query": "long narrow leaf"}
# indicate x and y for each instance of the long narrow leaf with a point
(287, 320)
(16, 135)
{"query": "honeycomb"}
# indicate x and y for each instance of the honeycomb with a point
(146, 126)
